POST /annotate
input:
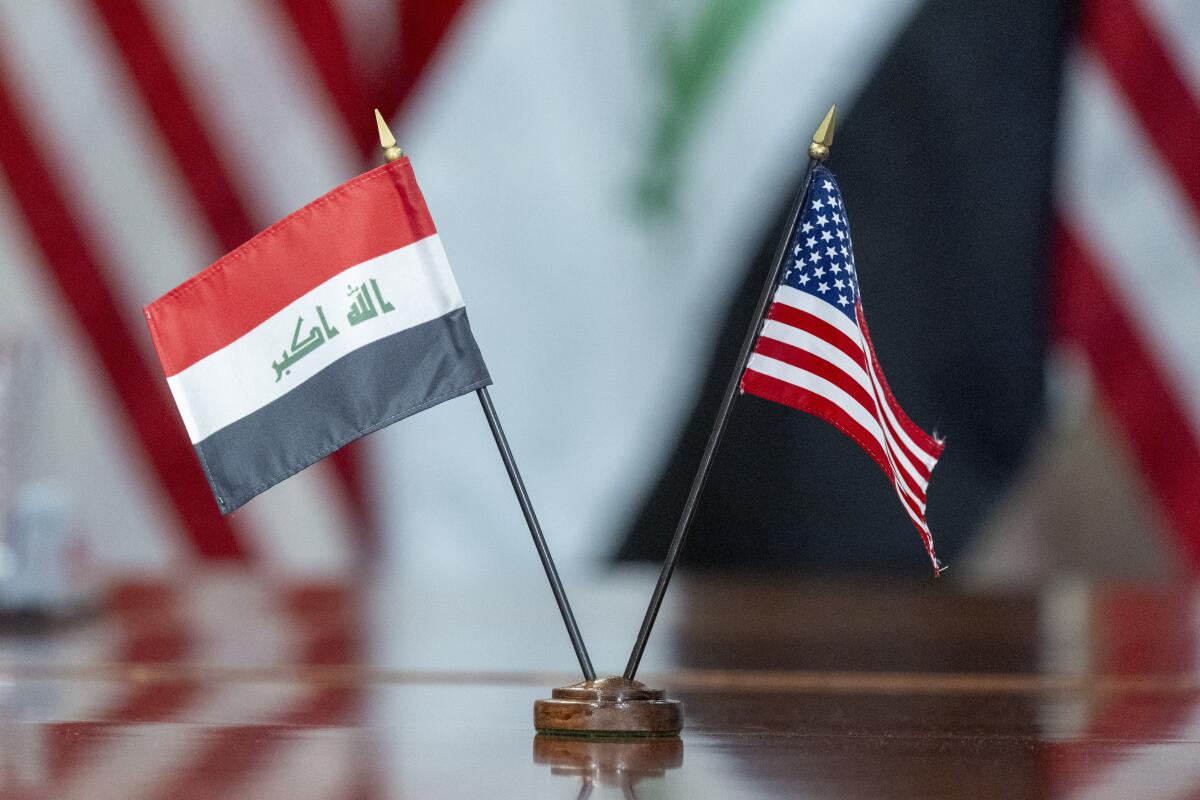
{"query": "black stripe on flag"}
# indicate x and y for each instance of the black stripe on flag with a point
(366, 390)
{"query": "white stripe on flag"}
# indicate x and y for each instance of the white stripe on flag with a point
(836, 357)
(915, 516)
(1177, 24)
(139, 766)
(127, 195)
(124, 189)
(803, 301)
(893, 425)
(98, 461)
(803, 340)
(901, 443)
(238, 379)
(371, 30)
(819, 386)
(133, 206)
(259, 95)
(834, 394)
(272, 123)
(1118, 196)
(894, 453)
(308, 767)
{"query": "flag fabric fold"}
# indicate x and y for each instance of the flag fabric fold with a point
(336, 321)
(814, 353)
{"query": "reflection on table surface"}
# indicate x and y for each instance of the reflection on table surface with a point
(224, 686)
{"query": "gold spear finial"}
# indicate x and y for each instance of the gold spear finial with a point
(823, 139)
(391, 151)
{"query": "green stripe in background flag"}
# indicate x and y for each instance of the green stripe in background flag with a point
(692, 62)
(543, 120)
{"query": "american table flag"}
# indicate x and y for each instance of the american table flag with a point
(814, 353)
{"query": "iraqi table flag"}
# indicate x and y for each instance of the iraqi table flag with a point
(334, 322)
(814, 353)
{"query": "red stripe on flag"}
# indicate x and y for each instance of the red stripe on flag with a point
(424, 27)
(901, 474)
(809, 323)
(150, 630)
(319, 28)
(815, 365)
(802, 320)
(84, 285)
(802, 359)
(897, 443)
(195, 155)
(373, 214)
(158, 82)
(770, 388)
(1138, 63)
(1163, 443)
(788, 394)
(328, 619)
(810, 362)
(1146, 631)
(931, 446)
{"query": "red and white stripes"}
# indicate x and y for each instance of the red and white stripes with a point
(185, 625)
(812, 357)
(134, 153)
(1128, 246)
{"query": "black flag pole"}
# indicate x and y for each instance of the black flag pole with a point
(818, 151)
(391, 152)
(539, 541)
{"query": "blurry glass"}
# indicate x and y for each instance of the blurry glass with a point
(46, 568)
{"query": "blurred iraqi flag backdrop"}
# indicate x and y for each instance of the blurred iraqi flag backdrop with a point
(606, 178)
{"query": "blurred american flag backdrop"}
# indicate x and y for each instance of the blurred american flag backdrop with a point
(1026, 182)
(142, 140)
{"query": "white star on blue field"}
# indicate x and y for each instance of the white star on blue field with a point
(822, 257)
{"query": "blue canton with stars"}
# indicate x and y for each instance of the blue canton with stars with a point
(821, 259)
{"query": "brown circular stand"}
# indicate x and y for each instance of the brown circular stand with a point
(608, 707)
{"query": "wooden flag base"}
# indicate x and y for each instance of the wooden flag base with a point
(608, 707)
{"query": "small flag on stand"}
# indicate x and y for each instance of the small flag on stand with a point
(808, 348)
(336, 321)
(814, 353)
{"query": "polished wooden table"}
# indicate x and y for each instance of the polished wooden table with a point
(222, 685)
